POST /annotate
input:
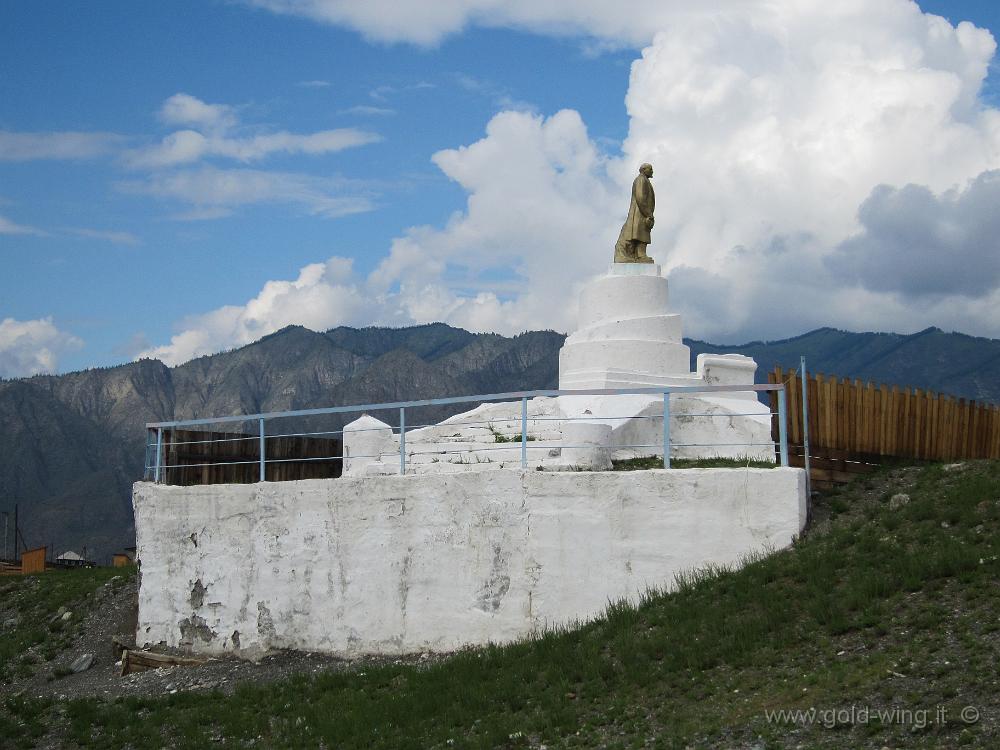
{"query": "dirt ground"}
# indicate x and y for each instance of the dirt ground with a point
(111, 614)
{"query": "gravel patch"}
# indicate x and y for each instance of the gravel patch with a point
(110, 616)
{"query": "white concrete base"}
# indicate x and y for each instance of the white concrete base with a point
(727, 425)
(627, 338)
(701, 425)
(394, 565)
(587, 446)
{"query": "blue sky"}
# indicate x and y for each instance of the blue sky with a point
(118, 256)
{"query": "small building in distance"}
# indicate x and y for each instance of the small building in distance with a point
(33, 561)
(71, 559)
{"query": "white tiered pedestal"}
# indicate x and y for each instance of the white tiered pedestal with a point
(627, 338)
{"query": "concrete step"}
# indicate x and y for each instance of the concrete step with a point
(476, 452)
(540, 431)
(444, 467)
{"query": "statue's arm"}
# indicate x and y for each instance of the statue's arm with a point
(644, 198)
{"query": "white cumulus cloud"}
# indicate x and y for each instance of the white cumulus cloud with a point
(322, 295)
(794, 143)
(11, 227)
(31, 347)
(211, 133)
(184, 109)
(187, 146)
(210, 192)
(922, 245)
(539, 220)
(426, 23)
(113, 236)
(770, 128)
(366, 110)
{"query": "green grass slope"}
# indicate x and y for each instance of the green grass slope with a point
(882, 625)
(33, 604)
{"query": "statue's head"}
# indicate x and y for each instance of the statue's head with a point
(646, 169)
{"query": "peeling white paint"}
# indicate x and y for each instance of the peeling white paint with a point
(396, 565)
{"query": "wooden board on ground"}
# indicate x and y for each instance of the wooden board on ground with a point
(141, 661)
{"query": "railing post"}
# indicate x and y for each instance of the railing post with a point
(805, 435)
(263, 458)
(402, 440)
(147, 466)
(666, 429)
(524, 433)
(783, 425)
(159, 454)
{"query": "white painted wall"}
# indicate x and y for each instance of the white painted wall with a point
(396, 565)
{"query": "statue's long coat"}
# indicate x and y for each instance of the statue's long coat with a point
(641, 208)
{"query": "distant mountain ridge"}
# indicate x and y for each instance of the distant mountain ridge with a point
(72, 444)
(954, 363)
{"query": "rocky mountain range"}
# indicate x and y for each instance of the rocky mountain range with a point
(72, 444)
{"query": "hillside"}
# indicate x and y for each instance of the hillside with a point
(876, 629)
(74, 443)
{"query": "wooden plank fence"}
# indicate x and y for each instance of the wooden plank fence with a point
(854, 426)
(294, 457)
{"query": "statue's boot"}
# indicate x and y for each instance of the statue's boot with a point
(641, 257)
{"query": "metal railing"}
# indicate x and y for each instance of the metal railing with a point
(155, 444)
